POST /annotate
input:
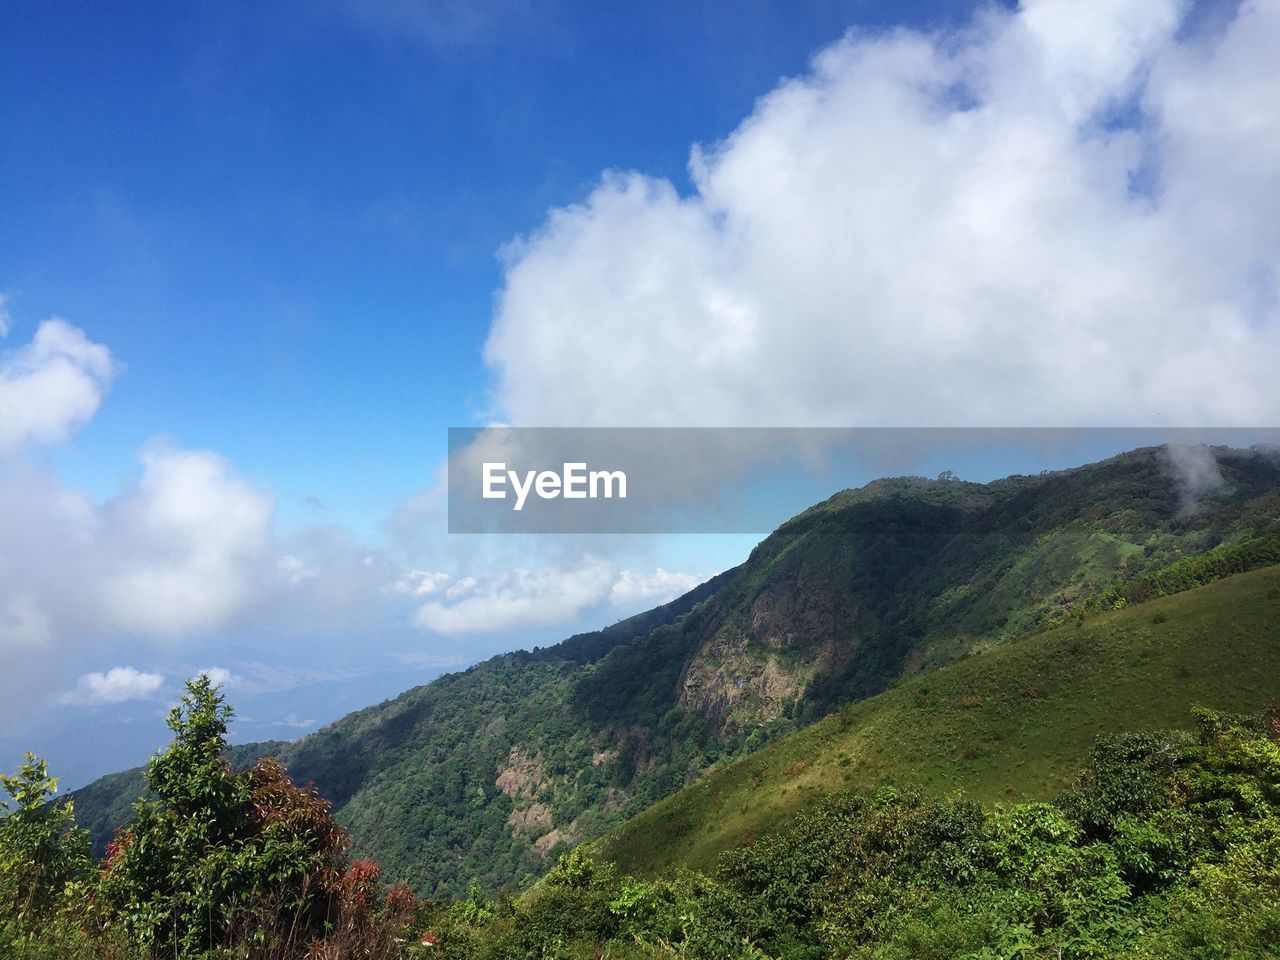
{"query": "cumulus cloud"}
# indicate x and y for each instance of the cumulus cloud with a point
(186, 544)
(184, 551)
(659, 587)
(52, 385)
(115, 686)
(1063, 214)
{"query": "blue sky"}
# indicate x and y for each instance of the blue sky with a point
(286, 218)
(293, 243)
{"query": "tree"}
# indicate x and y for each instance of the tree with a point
(250, 859)
(41, 848)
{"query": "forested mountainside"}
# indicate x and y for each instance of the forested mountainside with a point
(1059, 796)
(1008, 725)
(491, 772)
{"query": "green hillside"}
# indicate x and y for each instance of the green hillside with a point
(491, 773)
(1011, 723)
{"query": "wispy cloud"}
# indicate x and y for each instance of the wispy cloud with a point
(1196, 472)
(445, 25)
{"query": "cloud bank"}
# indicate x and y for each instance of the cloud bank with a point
(1067, 214)
(188, 554)
(178, 553)
(551, 594)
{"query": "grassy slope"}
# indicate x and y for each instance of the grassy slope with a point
(1011, 723)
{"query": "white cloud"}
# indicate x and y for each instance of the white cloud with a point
(1067, 214)
(115, 686)
(659, 587)
(550, 595)
(51, 386)
(187, 544)
(185, 552)
(522, 598)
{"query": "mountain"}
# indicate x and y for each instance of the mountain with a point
(491, 772)
(1010, 724)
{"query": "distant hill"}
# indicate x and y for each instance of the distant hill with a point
(490, 772)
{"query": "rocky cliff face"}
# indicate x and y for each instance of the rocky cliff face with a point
(756, 665)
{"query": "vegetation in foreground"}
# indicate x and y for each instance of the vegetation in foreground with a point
(215, 863)
(1166, 846)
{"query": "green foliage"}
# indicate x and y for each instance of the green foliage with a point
(1010, 723)
(222, 858)
(41, 852)
(1186, 574)
(1183, 865)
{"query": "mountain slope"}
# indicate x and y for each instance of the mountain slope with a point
(488, 773)
(1009, 724)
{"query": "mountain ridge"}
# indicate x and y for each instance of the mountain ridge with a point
(489, 772)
